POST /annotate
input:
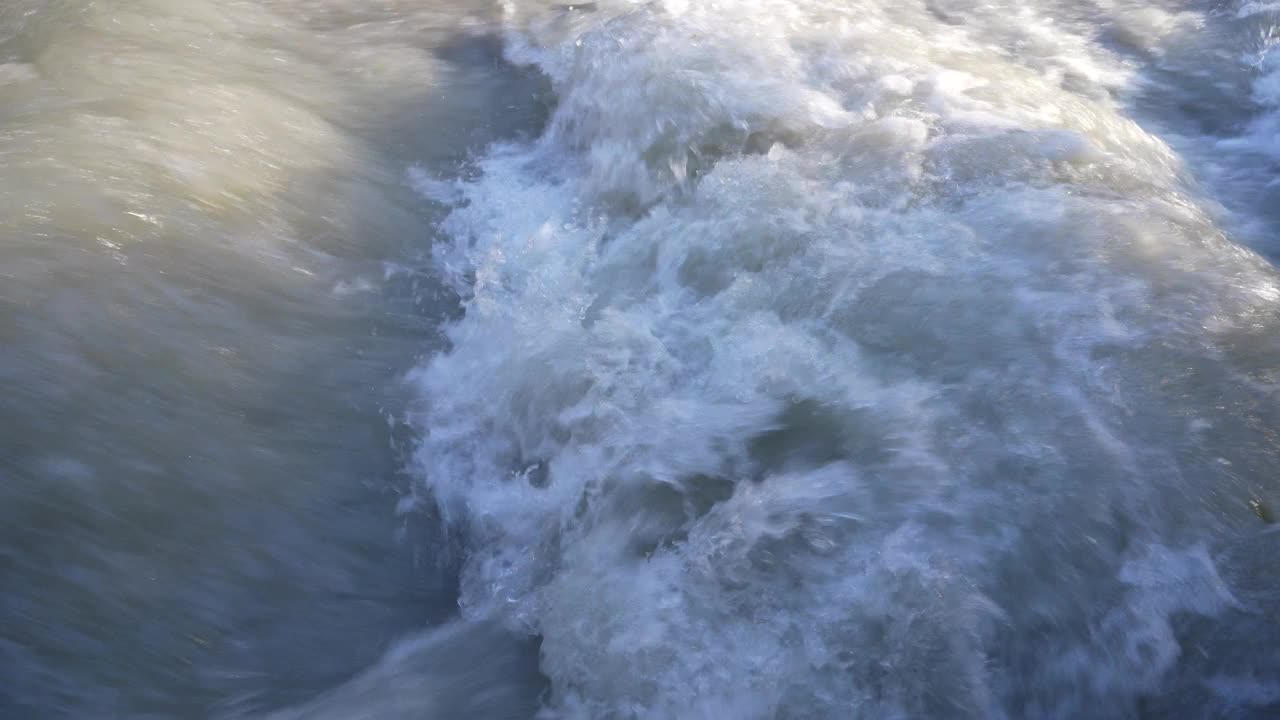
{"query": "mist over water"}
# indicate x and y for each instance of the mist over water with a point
(669, 359)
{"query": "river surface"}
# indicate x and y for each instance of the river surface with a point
(777, 359)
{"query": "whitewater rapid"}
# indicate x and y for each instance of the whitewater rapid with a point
(872, 359)
(639, 360)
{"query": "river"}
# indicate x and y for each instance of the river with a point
(380, 359)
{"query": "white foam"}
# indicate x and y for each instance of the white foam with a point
(431, 188)
(1249, 9)
(822, 360)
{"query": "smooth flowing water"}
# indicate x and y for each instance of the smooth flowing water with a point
(674, 359)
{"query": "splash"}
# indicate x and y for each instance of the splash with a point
(850, 359)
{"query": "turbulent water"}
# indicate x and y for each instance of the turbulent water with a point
(213, 274)
(669, 359)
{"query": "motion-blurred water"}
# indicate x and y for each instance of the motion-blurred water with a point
(213, 273)
(666, 359)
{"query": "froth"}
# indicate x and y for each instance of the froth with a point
(820, 360)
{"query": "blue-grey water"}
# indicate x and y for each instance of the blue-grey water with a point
(778, 359)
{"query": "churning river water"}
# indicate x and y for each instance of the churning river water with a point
(714, 359)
